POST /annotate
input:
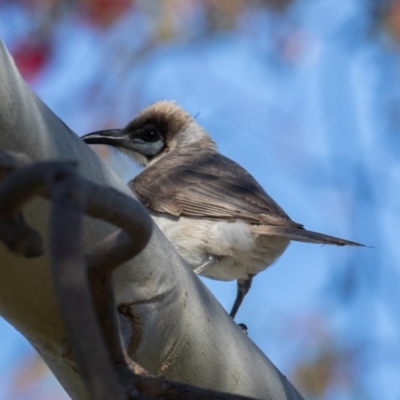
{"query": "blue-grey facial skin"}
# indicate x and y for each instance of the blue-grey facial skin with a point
(146, 148)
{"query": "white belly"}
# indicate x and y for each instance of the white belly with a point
(242, 252)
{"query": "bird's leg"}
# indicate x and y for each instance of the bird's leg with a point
(212, 259)
(243, 286)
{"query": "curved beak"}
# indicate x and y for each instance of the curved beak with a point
(111, 137)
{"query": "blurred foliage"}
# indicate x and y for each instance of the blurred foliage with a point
(326, 368)
(391, 20)
(32, 380)
(168, 19)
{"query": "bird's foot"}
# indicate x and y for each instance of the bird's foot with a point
(212, 259)
(244, 328)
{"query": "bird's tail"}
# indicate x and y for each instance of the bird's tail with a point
(301, 235)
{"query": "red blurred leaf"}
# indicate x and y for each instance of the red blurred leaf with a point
(392, 20)
(105, 12)
(30, 56)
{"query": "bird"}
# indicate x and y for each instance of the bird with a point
(215, 214)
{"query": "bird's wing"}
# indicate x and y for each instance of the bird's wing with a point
(208, 185)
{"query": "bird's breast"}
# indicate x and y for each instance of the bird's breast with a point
(241, 252)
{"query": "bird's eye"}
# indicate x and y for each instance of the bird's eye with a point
(149, 134)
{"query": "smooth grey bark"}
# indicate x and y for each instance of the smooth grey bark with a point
(172, 325)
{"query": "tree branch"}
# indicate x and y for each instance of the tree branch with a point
(96, 341)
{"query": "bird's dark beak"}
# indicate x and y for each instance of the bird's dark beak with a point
(112, 137)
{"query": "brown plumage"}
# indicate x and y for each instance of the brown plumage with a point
(214, 212)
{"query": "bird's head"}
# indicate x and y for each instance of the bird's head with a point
(157, 129)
